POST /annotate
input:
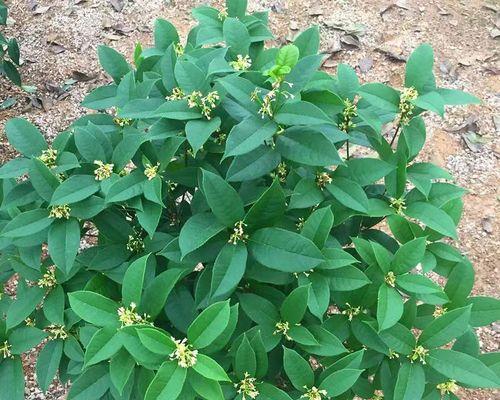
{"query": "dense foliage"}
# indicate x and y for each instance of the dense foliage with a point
(207, 234)
(9, 51)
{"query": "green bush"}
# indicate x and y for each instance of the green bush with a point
(233, 247)
(9, 51)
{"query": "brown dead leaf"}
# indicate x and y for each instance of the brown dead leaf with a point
(402, 4)
(82, 76)
(351, 41)
(315, 11)
(365, 64)
(41, 10)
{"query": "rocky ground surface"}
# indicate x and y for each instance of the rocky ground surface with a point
(58, 40)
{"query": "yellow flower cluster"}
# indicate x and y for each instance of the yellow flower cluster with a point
(266, 103)
(238, 234)
(103, 171)
(281, 172)
(135, 243)
(447, 387)
(128, 316)
(314, 393)
(418, 354)
(242, 63)
(48, 280)
(246, 387)
(5, 350)
(351, 311)
(48, 157)
(56, 332)
(406, 106)
(222, 14)
(60, 212)
(185, 355)
(282, 328)
(350, 111)
(179, 49)
(323, 179)
(439, 311)
(390, 279)
(177, 94)
(122, 122)
(151, 171)
(399, 205)
(205, 103)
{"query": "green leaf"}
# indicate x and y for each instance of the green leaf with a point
(27, 300)
(268, 209)
(389, 307)
(307, 42)
(340, 382)
(297, 369)
(210, 369)
(381, 96)
(245, 360)
(457, 97)
(198, 132)
(255, 164)
(48, 363)
(113, 62)
(451, 325)
(270, 392)
(25, 338)
(64, 242)
(317, 227)
(25, 137)
(485, 310)
(307, 146)
(284, 250)
(410, 384)
(409, 255)
(121, 368)
(248, 135)
(165, 34)
(433, 217)
(229, 268)
(236, 36)
(197, 231)
(126, 187)
(133, 281)
(301, 113)
(349, 194)
(167, 383)
(75, 189)
(156, 341)
(288, 56)
(27, 223)
(223, 200)
(156, 293)
(419, 69)
(94, 308)
(348, 278)
(92, 383)
(462, 368)
(209, 325)
(417, 284)
(43, 179)
(12, 379)
(104, 344)
(295, 304)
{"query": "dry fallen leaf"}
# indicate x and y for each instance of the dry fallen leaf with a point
(117, 5)
(351, 40)
(41, 10)
(82, 76)
(402, 4)
(365, 64)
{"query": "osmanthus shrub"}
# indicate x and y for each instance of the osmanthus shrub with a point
(9, 51)
(207, 234)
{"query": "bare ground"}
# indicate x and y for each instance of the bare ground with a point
(58, 40)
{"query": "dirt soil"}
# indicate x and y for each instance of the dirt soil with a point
(58, 40)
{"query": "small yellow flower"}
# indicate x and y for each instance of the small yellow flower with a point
(135, 243)
(246, 387)
(48, 157)
(350, 111)
(56, 332)
(60, 212)
(177, 94)
(48, 280)
(280, 172)
(399, 205)
(222, 14)
(300, 223)
(5, 350)
(393, 354)
(128, 316)
(378, 395)
(151, 171)
(242, 63)
(447, 387)
(238, 234)
(282, 328)
(351, 311)
(406, 106)
(314, 393)
(185, 355)
(179, 49)
(439, 311)
(390, 279)
(323, 179)
(103, 171)
(122, 122)
(419, 353)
